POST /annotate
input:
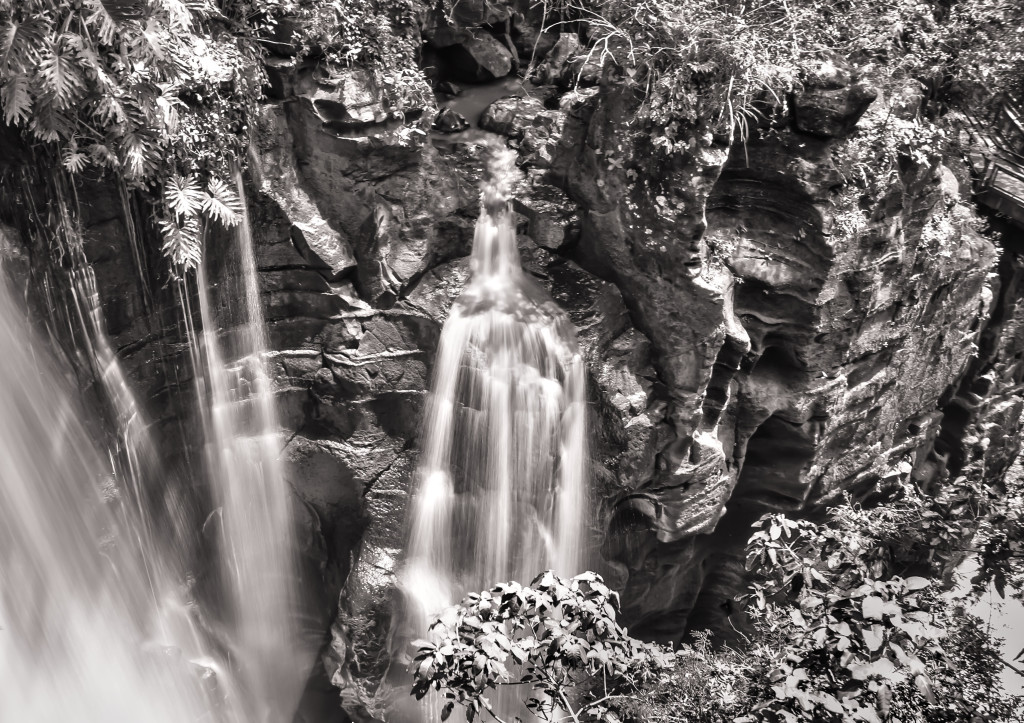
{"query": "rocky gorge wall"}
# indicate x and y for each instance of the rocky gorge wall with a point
(757, 336)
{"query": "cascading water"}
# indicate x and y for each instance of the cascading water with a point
(502, 481)
(258, 544)
(87, 629)
(99, 549)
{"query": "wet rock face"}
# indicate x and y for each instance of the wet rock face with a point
(477, 57)
(796, 354)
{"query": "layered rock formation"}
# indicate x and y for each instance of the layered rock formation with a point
(759, 333)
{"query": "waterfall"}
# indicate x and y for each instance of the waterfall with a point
(501, 487)
(91, 629)
(258, 557)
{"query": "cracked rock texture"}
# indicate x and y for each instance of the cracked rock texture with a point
(749, 345)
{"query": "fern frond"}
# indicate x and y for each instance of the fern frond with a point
(183, 195)
(222, 203)
(182, 242)
(16, 99)
(60, 75)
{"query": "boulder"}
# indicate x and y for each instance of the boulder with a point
(831, 101)
(450, 121)
(510, 115)
(556, 62)
(448, 88)
(541, 138)
(478, 58)
(348, 97)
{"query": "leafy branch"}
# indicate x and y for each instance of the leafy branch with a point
(163, 94)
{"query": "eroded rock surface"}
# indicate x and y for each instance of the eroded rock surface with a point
(757, 335)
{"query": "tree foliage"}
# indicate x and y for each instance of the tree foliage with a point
(559, 637)
(857, 642)
(843, 631)
(717, 64)
(382, 36)
(162, 95)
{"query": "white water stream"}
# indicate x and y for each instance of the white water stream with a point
(258, 555)
(99, 621)
(501, 488)
(91, 629)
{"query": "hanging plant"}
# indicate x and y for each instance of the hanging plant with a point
(158, 92)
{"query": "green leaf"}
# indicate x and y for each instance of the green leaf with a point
(61, 75)
(136, 154)
(74, 161)
(50, 123)
(222, 203)
(924, 686)
(183, 196)
(109, 111)
(881, 668)
(873, 637)
(20, 43)
(871, 607)
(100, 21)
(182, 244)
(16, 100)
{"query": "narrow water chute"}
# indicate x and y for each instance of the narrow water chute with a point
(501, 487)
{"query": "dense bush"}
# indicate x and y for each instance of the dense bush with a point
(557, 637)
(842, 632)
(709, 63)
(161, 93)
(381, 35)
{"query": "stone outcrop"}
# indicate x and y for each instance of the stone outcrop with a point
(759, 334)
(830, 101)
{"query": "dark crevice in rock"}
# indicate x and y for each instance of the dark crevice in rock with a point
(727, 363)
(776, 455)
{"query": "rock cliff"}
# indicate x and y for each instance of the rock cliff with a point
(759, 333)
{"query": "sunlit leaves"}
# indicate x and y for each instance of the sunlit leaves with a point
(183, 195)
(137, 148)
(151, 94)
(74, 160)
(59, 71)
(100, 21)
(182, 241)
(840, 627)
(109, 110)
(552, 637)
(20, 42)
(222, 203)
(177, 13)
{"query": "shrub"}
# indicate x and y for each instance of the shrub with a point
(557, 637)
(162, 93)
(842, 632)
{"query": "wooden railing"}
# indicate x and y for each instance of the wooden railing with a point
(998, 160)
